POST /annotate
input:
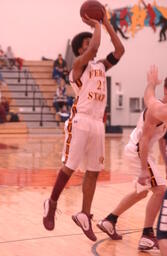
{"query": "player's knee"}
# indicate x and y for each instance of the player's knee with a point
(142, 194)
(67, 170)
(92, 175)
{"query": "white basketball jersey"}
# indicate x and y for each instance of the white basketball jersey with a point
(91, 90)
(137, 132)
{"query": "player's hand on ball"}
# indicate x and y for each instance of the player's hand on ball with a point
(105, 19)
(89, 21)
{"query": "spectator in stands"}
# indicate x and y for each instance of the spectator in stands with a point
(2, 85)
(2, 81)
(6, 103)
(4, 109)
(64, 113)
(60, 98)
(5, 114)
(60, 69)
(2, 114)
(3, 59)
(10, 56)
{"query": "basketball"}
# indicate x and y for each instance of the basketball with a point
(93, 9)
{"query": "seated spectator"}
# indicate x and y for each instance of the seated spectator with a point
(12, 117)
(6, 103)
(60, 69)
(3, 60)
(60, 98)
(64, 113)
(19, 63)
(4, 109)
(2, 86)
(5, 114)
(10, 56)
(2, 81)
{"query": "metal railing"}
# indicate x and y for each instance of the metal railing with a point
(42, 105)
(26, 76)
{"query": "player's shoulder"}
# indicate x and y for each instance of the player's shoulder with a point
(101, 63)
(155, 112)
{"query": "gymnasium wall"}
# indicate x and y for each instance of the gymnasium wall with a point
(141, 51)
(42, 28)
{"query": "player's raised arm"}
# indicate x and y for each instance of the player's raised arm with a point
(112, 58)
(152, 82)
(89, 47)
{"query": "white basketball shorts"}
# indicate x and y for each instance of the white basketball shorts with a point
(84, 143)
(133, 159)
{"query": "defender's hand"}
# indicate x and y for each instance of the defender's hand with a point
(144, 178)
(152, 76)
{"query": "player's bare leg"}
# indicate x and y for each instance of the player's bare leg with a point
(83, 219)
(88, 189)
(50, 204)
(153, 205)
(152, 210)
(128, 201)
(108, 225)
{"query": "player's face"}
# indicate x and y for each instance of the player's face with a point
(85, 44)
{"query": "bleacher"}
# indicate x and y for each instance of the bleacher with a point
(32, 94)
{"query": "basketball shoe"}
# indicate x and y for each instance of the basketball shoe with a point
(108, 227)
(49, 214)
(148, 243)
(84, 222)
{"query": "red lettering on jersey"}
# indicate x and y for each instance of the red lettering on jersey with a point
(90, 95)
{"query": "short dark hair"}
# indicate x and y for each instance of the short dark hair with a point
(78, 40)
(165, 83)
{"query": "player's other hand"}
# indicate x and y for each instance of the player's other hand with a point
(105, 19)
(89, 21)
(144, 178)
(152, 76)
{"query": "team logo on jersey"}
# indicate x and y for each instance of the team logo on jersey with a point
(101, 160)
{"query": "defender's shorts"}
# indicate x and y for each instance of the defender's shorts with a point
(84, 143)
(162, 221)
(132, 156)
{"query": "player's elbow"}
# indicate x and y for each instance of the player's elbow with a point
(119, 52)
(122, 50)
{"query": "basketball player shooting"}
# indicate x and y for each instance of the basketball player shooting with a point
(84, 130)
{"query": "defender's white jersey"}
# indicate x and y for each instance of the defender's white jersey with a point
(137, 132)
(91, 91)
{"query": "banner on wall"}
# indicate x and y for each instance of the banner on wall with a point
(129, 20)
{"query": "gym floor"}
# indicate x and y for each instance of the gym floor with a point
(28, 168)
